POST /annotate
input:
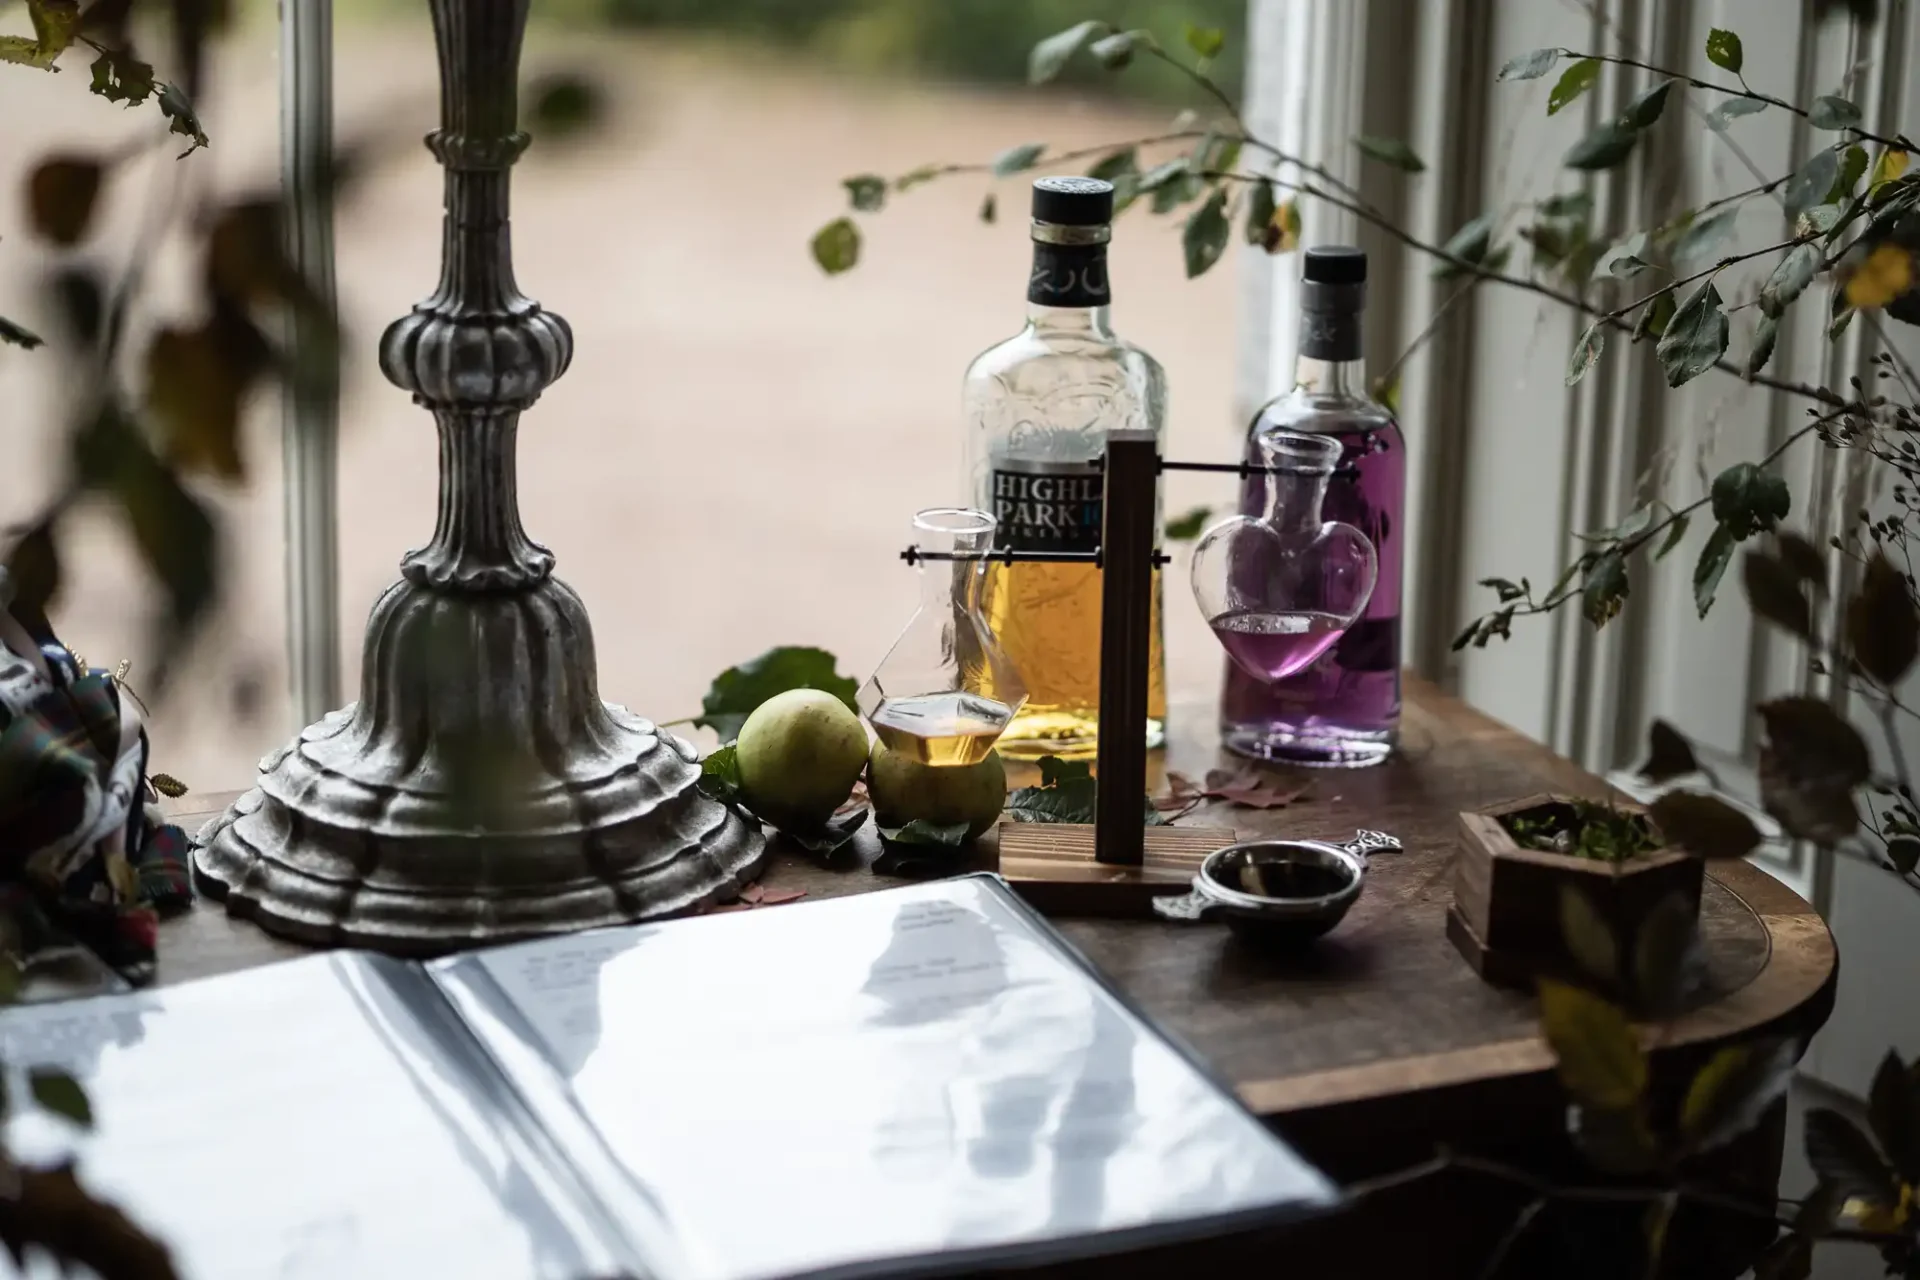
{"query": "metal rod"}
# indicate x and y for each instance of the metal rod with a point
(1129, 521)
(914, 555)
(1241, 469)
(310, 423)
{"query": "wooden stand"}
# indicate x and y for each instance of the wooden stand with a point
(1054, 866)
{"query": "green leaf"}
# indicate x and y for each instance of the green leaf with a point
(1883, 631)
(1703, 237)
(1764, 335)
(1663, 951)
(1504, 589)
(738, 691)
(1645, 109)
(120, 77)
(1604, 148)
(1790, 278)
(1735, 1089)
(1714, 558)
(1818, 220)
(1655, 316)
(564, 105)
(1675, 532)
(1604, 589)
(1116, 51)
(1204, 238)
(1775, 594)
(917, 177)
(179, 112)
(1529, 66)
(1390, 151)
(1573, 82)
(1669, 754)
(1588, 937)
(938, 835)
(1623, 261)
(989, 209)
(1017, 159)
(1586, 352)
(1811, 181)
(1732, 109)
(61, 1094)
(1172, 183)
(867, 191)
(1853, 167)
(1187, 527)
(1261, 207)
(828, 837)
(1116, 165)
(1567, 204)
(1048, 57)
(1696, 337)
(1723, 50)
(1891, 163)
(1205, 41)
(18, 335)
(1070, 801)
(1599, 1057)
(1893, 1108)
(1469, 244)
(720, 776)
(1703, 825)
(1838, 325)
(836, 246)
(1844, 1158)
(1832, 113)
(1903, 852)
(1748, 499)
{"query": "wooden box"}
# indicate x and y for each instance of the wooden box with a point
(1506, 912)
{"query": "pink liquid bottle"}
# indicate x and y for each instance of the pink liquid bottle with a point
(1342, 709)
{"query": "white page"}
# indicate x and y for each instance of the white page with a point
(894, 1074)
(291, 1122)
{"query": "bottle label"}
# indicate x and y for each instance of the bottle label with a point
(1046, 506)
(1069, 275)
(1330, 335)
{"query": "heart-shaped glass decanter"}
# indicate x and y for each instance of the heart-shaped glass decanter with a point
(1279, 590)
(946, 689)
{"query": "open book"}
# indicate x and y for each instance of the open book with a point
(901, 1082)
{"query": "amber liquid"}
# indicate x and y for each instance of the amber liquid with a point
(1047, 618)
(941, 728)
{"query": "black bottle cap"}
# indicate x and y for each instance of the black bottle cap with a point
(1336, 264)
(1073, 201)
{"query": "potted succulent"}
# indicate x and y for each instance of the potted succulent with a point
(1561, 886)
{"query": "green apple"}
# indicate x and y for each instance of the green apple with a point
(903, 789)
(800, 753)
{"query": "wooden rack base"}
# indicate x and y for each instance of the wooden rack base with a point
(1052, 866)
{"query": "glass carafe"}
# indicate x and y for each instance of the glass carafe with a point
(946, 689)
(1278, 591)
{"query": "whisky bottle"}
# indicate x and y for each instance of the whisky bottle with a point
(1038, 409)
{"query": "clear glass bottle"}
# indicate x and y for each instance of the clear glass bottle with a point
(1038, 409)
(1281, 590)
(946, 689)
(1343, 710)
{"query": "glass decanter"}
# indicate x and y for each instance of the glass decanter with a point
(946, 689)
(1280, 590)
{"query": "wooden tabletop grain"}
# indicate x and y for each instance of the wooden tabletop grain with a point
(1382, 1024)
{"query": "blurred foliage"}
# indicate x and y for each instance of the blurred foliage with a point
(978, 41)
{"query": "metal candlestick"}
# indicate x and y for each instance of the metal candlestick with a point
(480, 789)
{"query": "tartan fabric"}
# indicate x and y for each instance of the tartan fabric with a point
(85, 860)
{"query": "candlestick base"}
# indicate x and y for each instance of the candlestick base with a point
(479, 791)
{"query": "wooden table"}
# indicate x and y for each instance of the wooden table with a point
(1380, 1043)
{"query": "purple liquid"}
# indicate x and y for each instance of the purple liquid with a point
(1272, 646)
(1344, 707)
